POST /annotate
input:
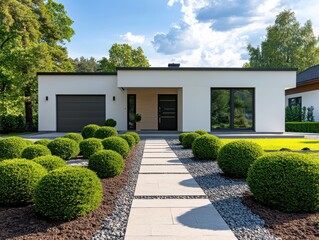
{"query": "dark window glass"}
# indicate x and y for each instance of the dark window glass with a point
(131, 111)
(232, 108)
(292, 102)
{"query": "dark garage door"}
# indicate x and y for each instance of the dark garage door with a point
(76, 111)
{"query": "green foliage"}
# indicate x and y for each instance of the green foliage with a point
(307, 127)
(287, 45)
(106, 163)
(135, 135)
(110, 122)
(43, 142)
(105, 132)
(293, 114)
(206, 147)
(201, 132)
(34, 151)
(117, 144)
(89, 130)
(50, 162)
(236, 157)
(189, 138)
(129, 139)
(74, 136)
(79, 192)
(18, 179)
(181, 136)
(310, 117)
(83, 64)
(12, 147)
(12, 123)
(90, 146)
(32, 36)
(286, 181)
(123, 55)
(64, 148)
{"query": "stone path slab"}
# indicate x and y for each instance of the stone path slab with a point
(166, 185)
(163, 169)
(176, 219)
(161, 161)
(162, 154)
(157, 150)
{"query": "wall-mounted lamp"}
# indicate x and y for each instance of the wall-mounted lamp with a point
(113, 98)
(46, 98)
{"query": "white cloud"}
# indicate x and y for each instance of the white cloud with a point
(132, 39)
(216, 33)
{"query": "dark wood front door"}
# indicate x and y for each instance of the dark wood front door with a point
(167, 112)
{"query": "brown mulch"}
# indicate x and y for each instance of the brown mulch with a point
(292, 226)
(24, 223)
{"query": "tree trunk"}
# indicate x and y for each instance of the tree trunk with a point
(28, 109)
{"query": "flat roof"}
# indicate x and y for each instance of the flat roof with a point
(202, 69)
(77, 73)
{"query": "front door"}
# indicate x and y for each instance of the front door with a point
(167, 112)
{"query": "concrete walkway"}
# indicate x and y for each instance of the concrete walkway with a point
(168, 203)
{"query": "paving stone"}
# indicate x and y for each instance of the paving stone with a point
(166, 155)
(163, 169)
(166, 185)
(161, 161)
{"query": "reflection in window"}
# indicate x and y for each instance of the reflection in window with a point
(294, 102)
(131, 111)
(232, 108)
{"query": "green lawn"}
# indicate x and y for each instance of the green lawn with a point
(278, 143)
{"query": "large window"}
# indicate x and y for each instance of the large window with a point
(232, 108)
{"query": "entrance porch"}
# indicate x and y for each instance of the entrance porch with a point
(160, 109)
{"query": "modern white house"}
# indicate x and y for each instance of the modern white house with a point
(306, 92)
(167, 98)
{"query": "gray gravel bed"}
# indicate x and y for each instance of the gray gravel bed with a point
(225, 194)
(114, 226)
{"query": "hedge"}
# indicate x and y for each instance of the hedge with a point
(309, 127)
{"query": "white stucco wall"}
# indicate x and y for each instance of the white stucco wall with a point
(196, 86)
(52, 85)
(308, 99)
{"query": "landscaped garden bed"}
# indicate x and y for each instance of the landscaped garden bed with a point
(67, 213)
(291, 185)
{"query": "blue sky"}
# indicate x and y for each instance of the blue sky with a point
(206, 33)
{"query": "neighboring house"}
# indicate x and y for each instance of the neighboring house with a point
(173, 98)
(306, 93)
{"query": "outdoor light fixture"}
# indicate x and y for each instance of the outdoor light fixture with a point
(46, 98)
(113, 98)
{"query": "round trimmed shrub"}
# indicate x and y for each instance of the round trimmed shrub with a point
(206, 147)
(110, 122)
(105, 132)
(135, 135)
(79, 192)
(106, 163)
(50, 162)
(118, 145)
(74, 136)
(201, 132)
(43, 142)
(28, 142)
(64, 148)
(89, 130)
(130, 139)
(12, 147)
(236, 157)
(286, 181)
(18, 179)
(90, 146)
(34, 151)
(181, 137)
(189, 138)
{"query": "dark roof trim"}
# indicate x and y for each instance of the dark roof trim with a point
(77, 73)
(204, 69)
(310, 81)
